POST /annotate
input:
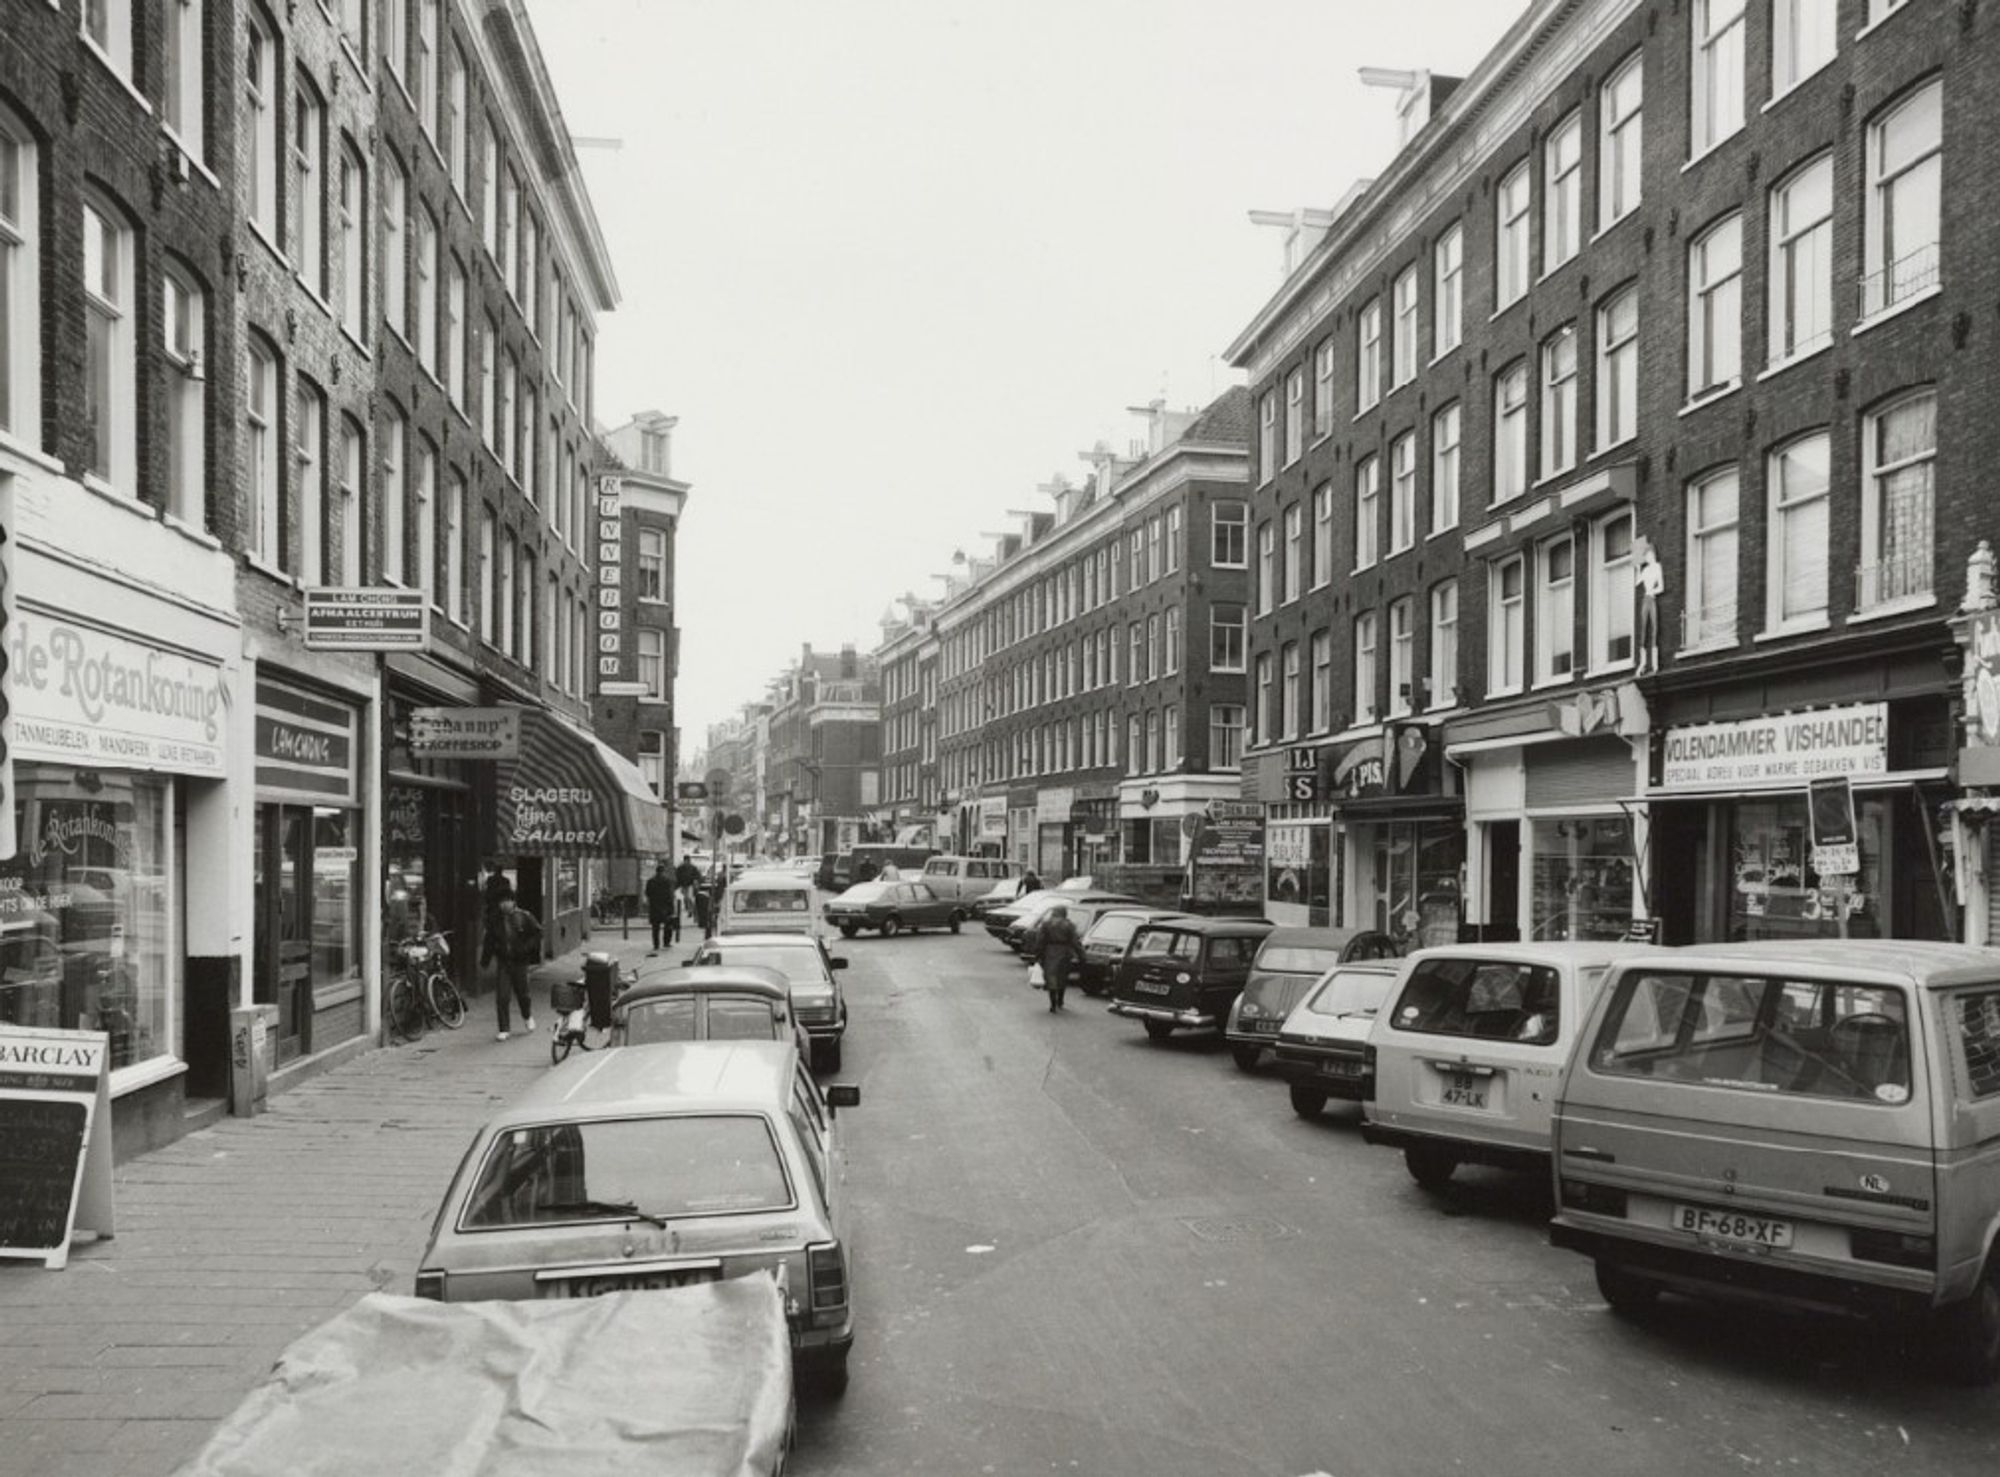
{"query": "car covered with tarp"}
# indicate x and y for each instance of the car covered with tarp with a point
(694, 1382)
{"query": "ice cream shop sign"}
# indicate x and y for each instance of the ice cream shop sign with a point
(85, 696)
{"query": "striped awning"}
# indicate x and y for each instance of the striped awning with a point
(571, 794)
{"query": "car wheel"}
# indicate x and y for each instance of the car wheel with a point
(1159, 1030)
(848, 930)
(829, 1381)
(956, 919)
(1429, 1165)
(1246, 1056)
(1626, 1291)
(826, 1055)
(1967, 1347)
(891, 926)
(1307, 1102)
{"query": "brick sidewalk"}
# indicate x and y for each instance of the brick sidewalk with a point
(237, 1238)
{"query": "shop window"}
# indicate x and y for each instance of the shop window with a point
(1773, 892)
(1582, 877)
(306, 874)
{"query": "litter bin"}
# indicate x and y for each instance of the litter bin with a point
(600, 978)
(252, 1036)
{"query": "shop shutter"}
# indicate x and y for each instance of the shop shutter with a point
(1992, 833)
(1579, 772)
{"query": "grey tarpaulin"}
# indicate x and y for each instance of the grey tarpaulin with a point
(694, 1382)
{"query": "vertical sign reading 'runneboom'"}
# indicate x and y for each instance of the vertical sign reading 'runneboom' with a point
(610, 586)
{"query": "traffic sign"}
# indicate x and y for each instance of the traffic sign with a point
(690, 790)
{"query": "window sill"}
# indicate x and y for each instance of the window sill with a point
(1402, 384)
(1797, 628)
(1363, 412)
(1443, 354)
(313, 295)
(1543, 684)
(12, 446)
(258, 230)
(1554, 474)
(1707, 648)
(265, 567)
(1889, 608)
(360, 344)
(190, 532)
(1550, 271)
(1500, 312)
(193, 159)
(145, 103)
(1798, 82)
(1441, 532)
(1611, 225)
(1877, 24)
(1710, 397)
(1493, 693)
(1362, 568)
(1619, 445)
(1609, 669)
(1399, 549)
(94, 483)
(354, 60)
(1790, 361)
(1710, 151)
(1895, 309)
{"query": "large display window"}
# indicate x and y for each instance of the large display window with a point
(87, 909)
(1407, 879)
(1582, 877)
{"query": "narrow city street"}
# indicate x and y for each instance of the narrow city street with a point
(1078, 1251)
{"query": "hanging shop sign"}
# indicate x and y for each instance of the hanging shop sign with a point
(465, 733)
(610, 590)
(373, 619)
(305, 746)
(55, 1140)
(83, 696)
(1784, 752)
(1979, 760)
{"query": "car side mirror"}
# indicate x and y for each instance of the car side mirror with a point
(843, 1095)
(837, 962)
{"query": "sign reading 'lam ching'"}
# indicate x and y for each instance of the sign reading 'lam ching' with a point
(385, 619)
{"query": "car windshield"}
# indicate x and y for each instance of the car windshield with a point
(1297, 958)
(866, 892)
(1814, 1038)
(1352, 992)
(660, 1020)
(801, 966)
(1493, 999)
(772, 900)
(551, 1173)
(1165, 943)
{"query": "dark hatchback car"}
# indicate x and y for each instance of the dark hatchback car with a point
(1185, 973)
(1287, 964)
(1106, 940)
(891, 907)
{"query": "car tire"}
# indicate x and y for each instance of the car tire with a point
(848, 930)
(1245, 1056)
(829, 1381)
(1967, 1343)
(1429, 1165)
(1159, 1030)
(826, 1055)
(1307, 1102)
(956, 919)
(891, 926)
(1625, 1290)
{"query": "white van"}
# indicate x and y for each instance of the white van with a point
(1467, 1059)
(960, 879)
(768, 902)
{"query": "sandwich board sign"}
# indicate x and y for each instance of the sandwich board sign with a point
(55, 1140)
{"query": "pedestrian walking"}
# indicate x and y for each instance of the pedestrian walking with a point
(1030, 882)
(514, 944)
(1057, 954)
(662, 907)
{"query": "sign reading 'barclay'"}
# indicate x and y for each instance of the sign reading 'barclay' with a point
(1784, 752)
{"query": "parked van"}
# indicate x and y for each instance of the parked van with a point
(1808, 1122)
(865, 862)
(1467, 1059)
(963, 878)
(767, 902)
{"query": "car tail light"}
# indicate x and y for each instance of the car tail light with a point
(1892, 1248)
(430, 1285)
(1367, 1074)
(1595, 1198)
(826, 1277)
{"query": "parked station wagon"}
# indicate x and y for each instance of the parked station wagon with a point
(1184, 973)
(1288, 963)
(1811, 1122)
(1322, 1047)
(657, 1167)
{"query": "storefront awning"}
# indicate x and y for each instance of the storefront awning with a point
(1974, 805)
(572, 794)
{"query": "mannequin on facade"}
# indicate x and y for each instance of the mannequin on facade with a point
(1649, 580)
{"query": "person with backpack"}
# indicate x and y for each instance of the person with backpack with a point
(515, 943)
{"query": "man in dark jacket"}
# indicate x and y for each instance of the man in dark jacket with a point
(662, 907)
(1058, 953)
(516, 943)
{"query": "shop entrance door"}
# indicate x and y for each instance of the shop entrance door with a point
(1503, 881)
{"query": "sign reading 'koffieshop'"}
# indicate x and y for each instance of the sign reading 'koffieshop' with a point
(1784, 752)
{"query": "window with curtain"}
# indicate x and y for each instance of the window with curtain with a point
(1709, 608)
(1899, 453)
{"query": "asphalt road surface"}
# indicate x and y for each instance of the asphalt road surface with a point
(1080, 1252)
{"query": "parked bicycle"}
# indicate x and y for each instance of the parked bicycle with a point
(419, 991)
(569, 1007)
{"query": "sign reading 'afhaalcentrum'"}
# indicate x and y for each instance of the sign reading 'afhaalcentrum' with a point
(1784, 752)
(384, 619)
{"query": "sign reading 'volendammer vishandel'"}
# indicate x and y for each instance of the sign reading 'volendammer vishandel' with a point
(1781, 752)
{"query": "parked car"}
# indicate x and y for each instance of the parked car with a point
(1185, 972)
(767, 902)
(1808, 1121)
(891, 907)
(659, 1167)
(1322, 1046)
(1104, 944)
(961, 879)
(1288, 961)
(818, 1003)
(1002, 894)
(1001, 916)
(1466, 1060)
(1024, 934)
(713, 1003)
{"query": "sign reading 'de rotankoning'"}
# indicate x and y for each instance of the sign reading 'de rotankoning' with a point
(1783, 752)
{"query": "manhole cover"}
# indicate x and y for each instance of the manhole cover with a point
(1238, 1228)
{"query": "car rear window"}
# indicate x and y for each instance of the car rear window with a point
(1352, 992)
(936, 868)
(772, 900)
(740, 1020)
(660, 1020)
(1296, 959)
(689, 1165)
(1812, 1038)
(1978, 1016)
(1165, 943)
(1491, 999)
(1112, 930)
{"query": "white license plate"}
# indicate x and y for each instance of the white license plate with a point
(1340, 1067)
(1733, 1227)
(1152, 987)
(1462, 1091)
(1266, 1028)
(590, 1287)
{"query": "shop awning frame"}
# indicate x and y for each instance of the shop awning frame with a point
(571, 794)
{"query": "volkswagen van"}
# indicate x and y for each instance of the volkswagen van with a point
(767, 902)
(1813, 1123)
(1465, 1062)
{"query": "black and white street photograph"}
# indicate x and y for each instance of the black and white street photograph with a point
(1077, 738)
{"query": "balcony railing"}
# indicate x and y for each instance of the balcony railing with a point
(1905, 277)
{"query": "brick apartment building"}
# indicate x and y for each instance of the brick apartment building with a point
(1616, 473)
(908, 657)
(823, 754)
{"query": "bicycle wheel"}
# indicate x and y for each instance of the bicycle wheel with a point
(559, 1045)
(405, 1009)
(446, 1005)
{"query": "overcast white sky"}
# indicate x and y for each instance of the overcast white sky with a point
(894, 263)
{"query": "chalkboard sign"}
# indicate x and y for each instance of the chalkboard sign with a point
(55, 1140)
